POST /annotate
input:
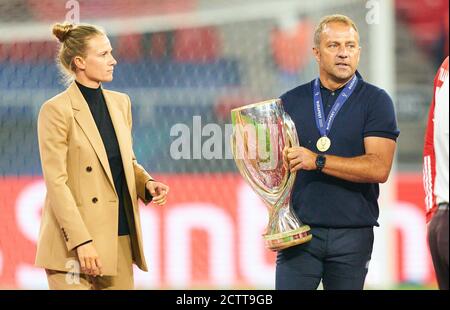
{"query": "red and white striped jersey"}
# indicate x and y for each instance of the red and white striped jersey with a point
(435, 153)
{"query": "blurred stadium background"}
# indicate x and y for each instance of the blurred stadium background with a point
(183, 58)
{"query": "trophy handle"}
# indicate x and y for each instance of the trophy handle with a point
(291, 138)
(291, 132)
(243, 169)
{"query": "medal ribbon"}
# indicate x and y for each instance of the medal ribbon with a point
(325, 126)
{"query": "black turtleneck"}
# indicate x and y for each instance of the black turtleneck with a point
(99, 110)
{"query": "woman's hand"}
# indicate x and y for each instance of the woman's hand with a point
(159, 192)
(89, 260)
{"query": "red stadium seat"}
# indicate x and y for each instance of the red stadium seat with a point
(158, 45)
(290, 48)
(427, 19)
(128, 47)
(196, 45)
(56, 9)
(30, 52)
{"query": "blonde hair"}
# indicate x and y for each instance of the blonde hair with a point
(335, 18)
(74, 42)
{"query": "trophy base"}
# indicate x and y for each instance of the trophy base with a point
(287, 239)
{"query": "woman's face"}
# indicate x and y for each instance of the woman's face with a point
(98, 66)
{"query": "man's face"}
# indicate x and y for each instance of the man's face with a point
(338, 52)
(99, 62)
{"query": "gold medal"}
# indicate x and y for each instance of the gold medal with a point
(323, 144)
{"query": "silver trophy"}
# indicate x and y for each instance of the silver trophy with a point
(261, 131)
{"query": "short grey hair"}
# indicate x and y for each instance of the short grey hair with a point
(335, 18)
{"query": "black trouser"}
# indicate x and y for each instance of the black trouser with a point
(339, 257)
(438, 241)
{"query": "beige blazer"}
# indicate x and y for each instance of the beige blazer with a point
(81, 202)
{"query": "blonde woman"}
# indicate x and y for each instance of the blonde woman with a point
(90, 232)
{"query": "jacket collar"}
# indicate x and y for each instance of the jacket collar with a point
(83, 117)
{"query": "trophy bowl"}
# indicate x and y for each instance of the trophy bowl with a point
(261, 132)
